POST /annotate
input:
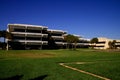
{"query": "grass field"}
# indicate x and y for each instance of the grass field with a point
(44, 64)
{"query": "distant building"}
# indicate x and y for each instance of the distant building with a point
(103, 43)
(82, 43)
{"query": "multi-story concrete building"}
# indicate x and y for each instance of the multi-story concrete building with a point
(34, 37)
(27, 36)
(57, 36)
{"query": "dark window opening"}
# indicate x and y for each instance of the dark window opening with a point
(34, 31)
(33, 38)
(19, 30)
(21, 38)
(101, 42)
(56, 34)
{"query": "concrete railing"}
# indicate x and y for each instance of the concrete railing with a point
(29, 34)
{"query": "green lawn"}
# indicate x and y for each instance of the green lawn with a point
(109, 69)
(44, 64)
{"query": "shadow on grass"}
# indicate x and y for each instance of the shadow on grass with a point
(17, 77)
(40, 77)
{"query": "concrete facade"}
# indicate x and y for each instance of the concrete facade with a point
(26, 36)
(33, 36)
(57, 35)
(103, 43)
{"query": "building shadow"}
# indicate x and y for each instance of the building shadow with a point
(16, 77)
(40, 77)
(16, 45)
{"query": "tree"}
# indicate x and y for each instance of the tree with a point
(51, 42)
(67, 39)
(0, 37)
(4, 32)
(112, 44)
(75, 40)
(70, 39)
(0, 33)
(6, 35)
(93, 41)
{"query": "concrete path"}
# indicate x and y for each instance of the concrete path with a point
(82, 71)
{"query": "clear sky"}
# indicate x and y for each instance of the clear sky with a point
(88, 18)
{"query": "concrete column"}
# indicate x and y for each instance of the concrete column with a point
(41, 39)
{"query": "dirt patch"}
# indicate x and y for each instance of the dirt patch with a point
(31, 55)
(106, 50)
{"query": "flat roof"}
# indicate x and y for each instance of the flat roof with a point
(27, 25)
(56, 30)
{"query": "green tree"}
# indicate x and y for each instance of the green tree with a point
(68, 38)
(93, 42)
(0, 33)
(51, 42)
(6, 35)
(71, 40)
(4, 32)
(75, 41)
(112, 44)
(9, 37)
(0, 37)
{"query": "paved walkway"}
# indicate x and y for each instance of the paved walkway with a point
(82, 71)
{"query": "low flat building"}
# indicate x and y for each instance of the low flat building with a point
(82, 43)
(103, 43)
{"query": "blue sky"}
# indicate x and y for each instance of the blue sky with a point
(88, 18)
